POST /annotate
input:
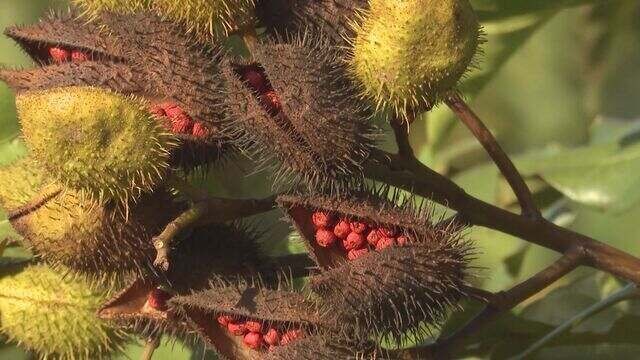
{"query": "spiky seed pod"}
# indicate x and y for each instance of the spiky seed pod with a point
(325, 347)
(89, 139)
(19, 184)
(93, 8)
(208, 19)
(408, 54)
(330, 17)
(293, 109)
(127, 53)
(208, 253)
(405, 270)
(91, 238)
(55, 316)
(234, 317)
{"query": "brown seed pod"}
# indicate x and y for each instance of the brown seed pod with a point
(244, 320)
(92, 238)
(405, 271)
(330, 17)
(292, 109)
(326, 347)
(129, 53)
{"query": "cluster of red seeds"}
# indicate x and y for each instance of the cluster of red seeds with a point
(255, 78)
(355, 238)
(255, 335)
(61, 55)
(179, 121)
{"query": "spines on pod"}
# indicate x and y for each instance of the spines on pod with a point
(54, 316)
(89, 139)
(332, 18)
(294, 111)
(20, 183)
(385, 269)
(326, 347)
(93, 8)
(408, 54)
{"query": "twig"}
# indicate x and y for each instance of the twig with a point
(204, 212)
(401, 132)
(628, 292)
(500, 303)
(150, 347)
(500, 158)
(419, 179)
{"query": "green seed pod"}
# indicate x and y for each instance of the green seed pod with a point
(93, 8)
(89, 139)
(294, 111)
(408, 54)
(384, 269)
(330, 17)
(92, 238)
(20, 182)
(55, 316)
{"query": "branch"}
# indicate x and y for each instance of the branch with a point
(500, 303)
(401, 132)
(150, 347)
(500, 158)
(415, 177)
(204, 212)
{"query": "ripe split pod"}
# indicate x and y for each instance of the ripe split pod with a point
(414, 277)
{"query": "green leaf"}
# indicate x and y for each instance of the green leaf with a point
(591, 352)
(490, 9)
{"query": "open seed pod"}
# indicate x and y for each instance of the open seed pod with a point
(326, 347)
(292, 109)
(330, 17)
(245, 320)
(384, 268)
(408, 54)
(208, 253)
(128, 53)
(54, 316)
(72, 230)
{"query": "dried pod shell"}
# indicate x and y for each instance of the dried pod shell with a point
(54, 316)
(304, 121)
(330, 17)
(76, 232)
(408, 54)
(89, 139)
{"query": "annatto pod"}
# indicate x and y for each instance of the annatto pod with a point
(127, 53)
(20, 182)
(93, 8)
(384, 268)
(90, 140)
(408, 54)
(326, 347)
(292, 108)
(72, 230)
(54, 316)
(208, 253)
(243, 320)
(331, 17)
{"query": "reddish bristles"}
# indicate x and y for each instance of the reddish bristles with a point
(357, 238)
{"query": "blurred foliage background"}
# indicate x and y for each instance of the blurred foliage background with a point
(558, 85)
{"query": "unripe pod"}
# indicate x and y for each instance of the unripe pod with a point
(94, 7)
(54, 316)
(89, 139)
(20, 182)
(408, 54)
(315, 132)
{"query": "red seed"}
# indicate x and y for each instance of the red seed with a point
(290, 336)
(157, 299)
(402, 240)
(79, 56)
(353, 241)
(157, 111)
(172, 109)
(253, 340)
(237, 329)
(342, 229)
(322, 219)
(271, 102)
(356, 253)
(181, 125)
(358, 227)
(199, 130)
(373, 237)
(253, 326)
(272, 337)
(385, 242)
(325, 238)
(387, 232)
(224, 320)
(256, 80)
(59, 54)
